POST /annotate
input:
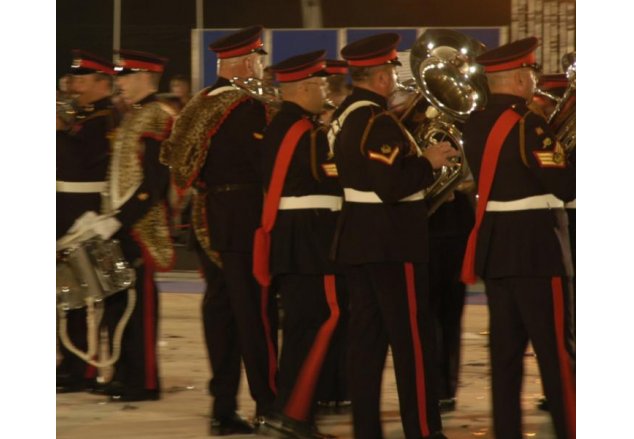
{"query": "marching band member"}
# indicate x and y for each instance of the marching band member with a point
(300, 212)
(519, 245)
(136, 192)
(382, 239)
(216, 147)
(332, 391)
(83, 149)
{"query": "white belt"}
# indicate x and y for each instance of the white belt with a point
(547, 201)
(80, 187)
(571, 204)
(331, 202)
(355, 196)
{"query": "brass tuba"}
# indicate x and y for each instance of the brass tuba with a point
(444, 68)
(563, 119)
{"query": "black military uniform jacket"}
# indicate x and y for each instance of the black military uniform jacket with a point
(387, 164)
(301, 238)
(525, 242)
(233, 177)
(82, 156)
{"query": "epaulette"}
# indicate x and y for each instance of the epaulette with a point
(157, 119)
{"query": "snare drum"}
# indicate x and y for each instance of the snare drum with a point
(93, 268)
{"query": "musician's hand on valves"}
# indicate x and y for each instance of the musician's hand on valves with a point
(439, 154)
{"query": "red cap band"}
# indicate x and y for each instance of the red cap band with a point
(87, 64)
(134, 64)
(369, 62)
(241, 50)
(510, 65)
(300, 74)
(337, 70)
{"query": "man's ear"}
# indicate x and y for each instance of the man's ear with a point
(248, 65)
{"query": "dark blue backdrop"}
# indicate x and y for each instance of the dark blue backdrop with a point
(283, 43)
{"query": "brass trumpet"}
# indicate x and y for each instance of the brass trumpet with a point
(258, 89)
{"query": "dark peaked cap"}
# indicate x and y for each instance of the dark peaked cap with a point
(85, 63)
(242, 42)
(520, 53)
(373, 51)
(300, 67)
(133, 61)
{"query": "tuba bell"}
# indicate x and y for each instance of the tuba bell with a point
(443, 65)
(557, 107)
(563, 119)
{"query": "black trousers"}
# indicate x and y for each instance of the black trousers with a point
(240, 322)
(137, 368)
(311, 316)
(389, 307)
(447, 298)
(333, 383)
(523, 309)
(572, 233)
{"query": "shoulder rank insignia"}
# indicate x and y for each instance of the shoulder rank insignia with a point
(330, 169)
(258, 136)
(539, 131)
(387, 155)
(551, 159)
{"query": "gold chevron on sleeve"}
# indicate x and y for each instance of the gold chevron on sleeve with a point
(549, 159)
(385, 158)
(330, 169)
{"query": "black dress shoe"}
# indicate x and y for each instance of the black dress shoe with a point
(70, 388)
(542, 404)
(135, 395)
(281, 426)
(447, 405)
(326, 407)
(65, 384)
(111, 388)
(228, 425)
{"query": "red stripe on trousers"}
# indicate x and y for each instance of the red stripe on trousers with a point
(264, 305)
(418, 349)
(91, 371)
(148, 326)
(300, 401)
(564, 362)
